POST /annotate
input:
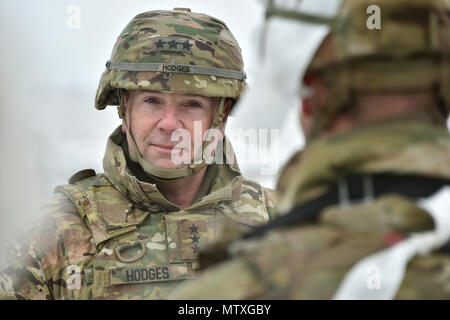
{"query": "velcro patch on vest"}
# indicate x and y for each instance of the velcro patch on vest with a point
(187, 234)
(139, 274)
(191, 234)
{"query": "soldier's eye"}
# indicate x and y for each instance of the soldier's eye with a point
(193, 104)
(151, 100)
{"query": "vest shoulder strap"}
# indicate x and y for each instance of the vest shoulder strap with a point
(106, 212)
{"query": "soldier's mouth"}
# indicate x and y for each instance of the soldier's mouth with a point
(164, 146)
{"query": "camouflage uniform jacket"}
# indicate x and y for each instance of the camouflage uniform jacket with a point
(113, 236)
(309, 261)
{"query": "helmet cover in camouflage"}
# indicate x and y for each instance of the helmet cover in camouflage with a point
(176, 52)
(410, 51)
(410, 31)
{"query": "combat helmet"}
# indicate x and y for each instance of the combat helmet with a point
(176, 51)
(408, 51)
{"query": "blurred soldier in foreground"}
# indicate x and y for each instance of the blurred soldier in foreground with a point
(369, 201)
(134, 232)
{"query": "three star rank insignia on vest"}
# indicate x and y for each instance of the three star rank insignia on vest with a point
(195, 238)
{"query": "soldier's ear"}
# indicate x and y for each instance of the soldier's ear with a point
(122, 111)
(123, 108)
(227, 107)
(124, 129)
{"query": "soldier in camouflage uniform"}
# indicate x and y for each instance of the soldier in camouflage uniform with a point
(362, 221)
(117, 235)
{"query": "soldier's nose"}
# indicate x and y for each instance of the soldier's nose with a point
(170, 120)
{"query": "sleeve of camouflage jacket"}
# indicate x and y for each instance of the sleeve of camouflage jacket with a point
(37, 264)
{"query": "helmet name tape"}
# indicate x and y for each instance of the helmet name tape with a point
(176, 68)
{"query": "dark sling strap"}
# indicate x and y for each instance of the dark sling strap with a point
(351, 189)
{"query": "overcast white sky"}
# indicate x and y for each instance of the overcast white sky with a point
(50, 128)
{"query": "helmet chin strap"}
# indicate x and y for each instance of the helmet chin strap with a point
(165, 173)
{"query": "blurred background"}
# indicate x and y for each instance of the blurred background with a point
(53, 54)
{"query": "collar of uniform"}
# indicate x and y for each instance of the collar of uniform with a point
(222, 180)
(397, 147)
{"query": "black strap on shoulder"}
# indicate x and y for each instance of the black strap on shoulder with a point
(355, 188)
(445, 248)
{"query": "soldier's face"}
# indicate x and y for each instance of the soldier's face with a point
(153, 117)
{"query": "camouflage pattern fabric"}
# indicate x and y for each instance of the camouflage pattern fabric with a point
(309, 261)
(113, 236)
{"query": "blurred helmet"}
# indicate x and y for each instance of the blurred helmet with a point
(174, 51)
(410, 51)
